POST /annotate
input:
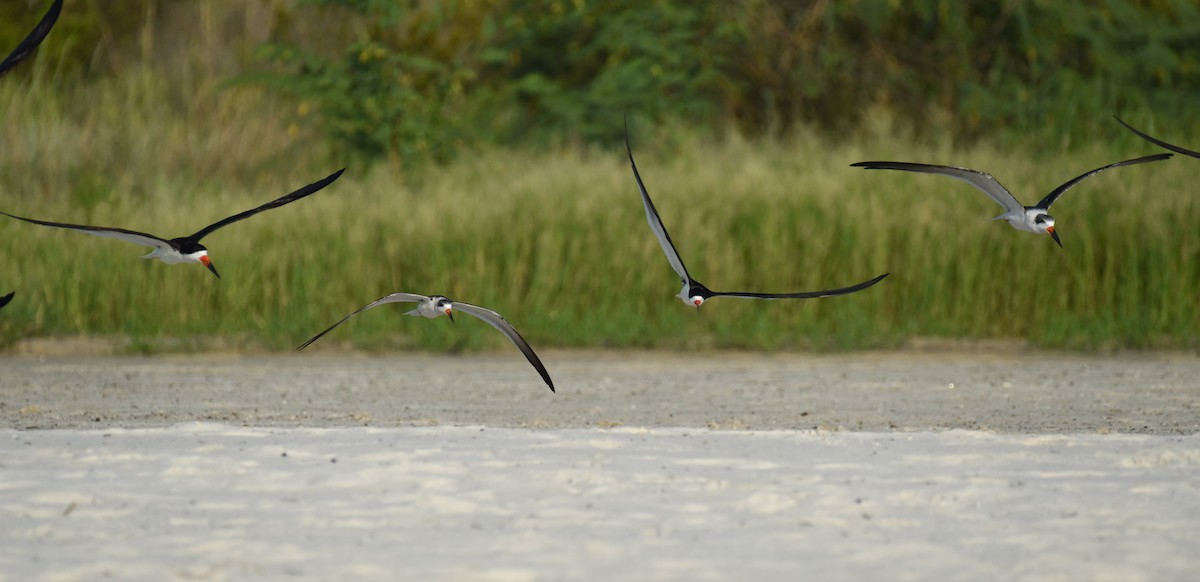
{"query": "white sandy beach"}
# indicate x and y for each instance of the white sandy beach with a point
(217, 502)
(903, 466)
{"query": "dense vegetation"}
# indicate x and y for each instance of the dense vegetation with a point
(164, 116)
(418, 77)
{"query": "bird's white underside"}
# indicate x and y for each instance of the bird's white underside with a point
(427, 309)
(171, 256)
(1026, 220)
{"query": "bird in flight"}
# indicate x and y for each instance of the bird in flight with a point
(31, 42)
(1158, 142)
(184, 249)
(1034, 218)
(695, 293)
(433, 306)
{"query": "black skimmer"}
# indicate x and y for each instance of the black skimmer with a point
(432, 306)
(185, 249)
(1028, 218)
(4, 300)
(695, 293)
(1158, 142)
(32, 41)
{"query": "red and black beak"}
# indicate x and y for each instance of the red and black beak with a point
(1054, 235)
(208, 263)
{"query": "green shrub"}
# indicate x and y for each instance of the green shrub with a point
(420, 78)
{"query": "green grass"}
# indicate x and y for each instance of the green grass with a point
(557, 240)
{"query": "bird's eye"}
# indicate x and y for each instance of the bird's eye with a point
(1039, 219)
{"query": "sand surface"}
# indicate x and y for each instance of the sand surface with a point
(1014, 392)
(218, 502)
(904, 466)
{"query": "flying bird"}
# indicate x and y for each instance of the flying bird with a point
(32, 41)
(433, 306)
(185, 249)
(4, 300)
(695, 293)
(1029, 218)
(1159, 143)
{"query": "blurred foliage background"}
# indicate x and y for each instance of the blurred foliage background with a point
(421, 78)
(143, 105)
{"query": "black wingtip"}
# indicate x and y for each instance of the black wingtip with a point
(4, 301)
(30, 43)
(541, 369)
(876, 165)
(628, 148)
(872, 282)
(867, 284)
(311, 340)
(1158, 142)
(327, 180)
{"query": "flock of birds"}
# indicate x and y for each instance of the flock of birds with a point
(187, 249)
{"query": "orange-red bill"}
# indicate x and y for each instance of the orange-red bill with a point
(208, 263)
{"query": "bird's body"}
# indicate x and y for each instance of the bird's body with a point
(176, 253)
(184, 249)
(434, 306)
(1028, 219)
(1034, 218)
(26, 47)
(693, 293)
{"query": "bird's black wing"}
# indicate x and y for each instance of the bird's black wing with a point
(393, 298)
(31, 42)
(1158, 142)
(133, 236)
(1053, 196)
(497, 321)
(655, 221)
(985, 182)
(802, 294)
(4, 300)
(276, 203)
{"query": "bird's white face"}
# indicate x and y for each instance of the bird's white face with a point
(198, 257)
(1044, 223)
(445, 306)
(687, 297)
(1038, 221)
